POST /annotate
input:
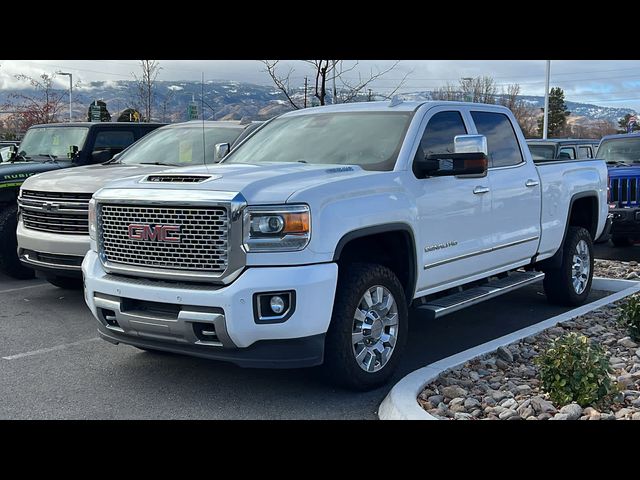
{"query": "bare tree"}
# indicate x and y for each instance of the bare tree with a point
(323, 72)
(448, 92)
(478, 89)
(350, 90)
(41, 106)
(168, 98)
(146, 83)
(525, 114)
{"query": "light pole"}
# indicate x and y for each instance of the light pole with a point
(545, 123)
(70, 89)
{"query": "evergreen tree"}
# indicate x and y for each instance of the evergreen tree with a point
(622, 124)
(558, 114)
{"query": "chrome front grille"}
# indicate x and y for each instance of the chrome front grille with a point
(625, 191)
(200, 244)
(55, 212)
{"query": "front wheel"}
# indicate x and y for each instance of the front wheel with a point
(570, 284)
(368, 328)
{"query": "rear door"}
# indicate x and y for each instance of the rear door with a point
(515, 191)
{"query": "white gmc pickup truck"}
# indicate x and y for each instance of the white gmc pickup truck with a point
(311, 240)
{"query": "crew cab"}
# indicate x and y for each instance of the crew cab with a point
(53, 233)
(622, 154)
(552, 149)
(310, 241)
(54, 146)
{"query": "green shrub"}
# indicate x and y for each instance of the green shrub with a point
(630, 317)
(573, 369)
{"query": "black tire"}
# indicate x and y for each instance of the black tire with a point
(67, 283)
(9, 262)
(558, 283)
(340, 364)
(621, 241)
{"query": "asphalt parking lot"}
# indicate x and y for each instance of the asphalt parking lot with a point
(53, 366)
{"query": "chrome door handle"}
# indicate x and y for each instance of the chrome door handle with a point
(531, 183)
(478, 190)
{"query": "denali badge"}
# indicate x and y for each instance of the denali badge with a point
(154, 233)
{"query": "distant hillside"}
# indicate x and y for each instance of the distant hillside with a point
(230, 100)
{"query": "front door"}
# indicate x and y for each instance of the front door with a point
(454, 213)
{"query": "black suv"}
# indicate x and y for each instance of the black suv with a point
(49, 147)
(556, 149)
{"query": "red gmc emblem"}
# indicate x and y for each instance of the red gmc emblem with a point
(154, 233)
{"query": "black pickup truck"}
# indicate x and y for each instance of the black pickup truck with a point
(50, 147)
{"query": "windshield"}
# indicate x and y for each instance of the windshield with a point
(543, 152)
(625, 150)
(51, 141)
(369, 139)
(180, 146)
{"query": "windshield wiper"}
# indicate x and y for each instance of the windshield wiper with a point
(19, 156)
(159, 163)
(52, 158)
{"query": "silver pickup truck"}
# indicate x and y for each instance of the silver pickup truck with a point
(53, 235)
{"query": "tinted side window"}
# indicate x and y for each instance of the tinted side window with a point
(584, 152)
(567, 153)
(439, 133)
(504, 149)
(114, 139)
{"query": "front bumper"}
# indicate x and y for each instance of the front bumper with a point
(171, 316)
(52, 253)
(626, 222)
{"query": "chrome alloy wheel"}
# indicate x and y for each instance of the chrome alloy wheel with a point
(581, 267)
(375, 329)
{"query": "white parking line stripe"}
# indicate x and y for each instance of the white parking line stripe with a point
(22, 288)
(51, 349)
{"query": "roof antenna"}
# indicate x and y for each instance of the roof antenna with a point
(204, 146)
(395, 101)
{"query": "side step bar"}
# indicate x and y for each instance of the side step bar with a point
(442, 306)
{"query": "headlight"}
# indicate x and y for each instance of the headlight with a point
(278, 228)
(93, 224)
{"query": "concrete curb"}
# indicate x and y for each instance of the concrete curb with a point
(401, 404)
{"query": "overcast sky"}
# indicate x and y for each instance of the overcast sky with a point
(601, 82)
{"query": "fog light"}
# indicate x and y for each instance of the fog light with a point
(277, 305)
(274, 307)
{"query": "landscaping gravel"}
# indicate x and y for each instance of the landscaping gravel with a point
(504, 385)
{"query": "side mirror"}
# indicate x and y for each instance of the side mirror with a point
(470, 158)
(221, 151)
(73, 151)
(13, 151)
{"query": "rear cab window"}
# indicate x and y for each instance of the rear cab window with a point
(503, 145)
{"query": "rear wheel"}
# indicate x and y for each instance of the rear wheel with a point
(9, 261)
(571, 283)
(621, 241)
(67, 283)
(368, 328)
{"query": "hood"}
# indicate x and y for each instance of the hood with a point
(630, 171)
(87, 179)
(265, 183)
(12, 173)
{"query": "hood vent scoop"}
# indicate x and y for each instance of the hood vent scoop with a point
(173, 178)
